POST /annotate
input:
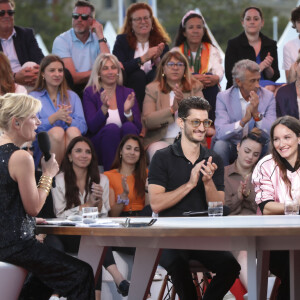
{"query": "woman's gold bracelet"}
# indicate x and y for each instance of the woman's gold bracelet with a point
(45, 183)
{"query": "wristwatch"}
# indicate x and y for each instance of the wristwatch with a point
(258, 118)
(104, 40)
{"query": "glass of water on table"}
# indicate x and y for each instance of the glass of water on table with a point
(215, 209)
(90, 213)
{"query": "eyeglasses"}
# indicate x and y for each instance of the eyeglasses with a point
(196, 122)
(84, 17)
(140, 19)
(28, 148)
(10, 12)
(172, 64)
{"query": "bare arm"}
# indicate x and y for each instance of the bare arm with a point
(274, 208)
(78, 77)
(21, 169)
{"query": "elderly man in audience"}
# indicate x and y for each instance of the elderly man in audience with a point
(80, 45)
(19, 45)
(241, 108)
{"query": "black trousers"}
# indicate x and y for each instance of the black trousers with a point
(63, 274)
(279, 266)
(176, 262)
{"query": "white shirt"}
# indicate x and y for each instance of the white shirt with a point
(290, 53)
(114, 117)
(173, 128)
(10, 51)
(140, 51)
(59, 200)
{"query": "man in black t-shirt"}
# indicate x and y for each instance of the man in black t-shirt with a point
(184, 177)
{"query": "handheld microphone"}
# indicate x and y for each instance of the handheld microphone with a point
(45, 145)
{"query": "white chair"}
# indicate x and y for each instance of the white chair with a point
(11, 281)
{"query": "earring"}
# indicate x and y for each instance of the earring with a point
(70, 159)
(163, 74)
(43, 77)
(17, 123)
(117, 75)
(120, 156)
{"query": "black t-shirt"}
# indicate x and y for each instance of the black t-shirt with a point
(171, 169)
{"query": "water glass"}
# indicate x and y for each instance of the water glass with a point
(215, 209)
(291, 207)
(90, 213)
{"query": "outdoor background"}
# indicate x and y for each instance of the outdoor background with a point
(49, 18)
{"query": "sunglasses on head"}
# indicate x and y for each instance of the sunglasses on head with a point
(28, 148)
(84, 17)
(10, 12)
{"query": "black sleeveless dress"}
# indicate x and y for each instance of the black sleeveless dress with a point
(64, 274)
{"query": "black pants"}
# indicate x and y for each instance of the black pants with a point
(279, 266)
(176, 262)
(137, 81)
(64, 274)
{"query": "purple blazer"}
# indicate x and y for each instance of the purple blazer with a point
(286, 101)
(96, 120)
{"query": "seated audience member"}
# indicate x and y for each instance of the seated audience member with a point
(139, 47)
(7, 83)
(276, 179)
(239, 191)
(241, 108)
(204, 58)
(79, 46)
(127, 179)
(291, 48)
(21, 199)
(287, 97)
(173, 82)
(110, 109)
(185, 176)
(19, 45)
(80, 185)
(253, 45)
(61, 114)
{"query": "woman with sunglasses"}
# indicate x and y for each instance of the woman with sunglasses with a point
(140, 46)
(111, 110)
(173, 82)
(204, 58)
(239, 191)
(7, 83)
(276, 178)
(62, 114)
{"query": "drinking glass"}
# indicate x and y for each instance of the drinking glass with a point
(215, 209)
(90, 213)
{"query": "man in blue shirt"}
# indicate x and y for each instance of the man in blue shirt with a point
(79, 46)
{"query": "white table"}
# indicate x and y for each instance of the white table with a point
(251, 233)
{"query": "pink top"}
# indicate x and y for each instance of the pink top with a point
(268, 183)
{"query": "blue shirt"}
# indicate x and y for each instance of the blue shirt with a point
(49, 109)
(82, 54)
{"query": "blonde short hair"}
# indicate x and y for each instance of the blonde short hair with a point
(20, 106)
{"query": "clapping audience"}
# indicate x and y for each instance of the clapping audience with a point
(61, 114)
(140, 46)
(204, 58)
(110, 109)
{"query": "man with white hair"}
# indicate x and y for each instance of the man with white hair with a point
(240, 108)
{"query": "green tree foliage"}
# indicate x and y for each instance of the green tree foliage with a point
(49, 18)
(222, 17)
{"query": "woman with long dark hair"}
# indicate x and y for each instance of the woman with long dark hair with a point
(127, 179)
(204, 58)
(277, 180)
(80, 185)
(62, 114)
(21, 200)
